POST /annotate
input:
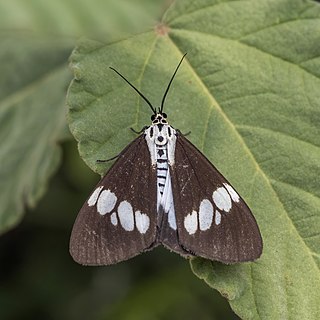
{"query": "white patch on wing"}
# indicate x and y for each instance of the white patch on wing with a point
(217, 218)
(94, 197)
(234, 196)
(142, 222)
(106, 202)
(205, 215)
(222, 199)
(114, 219)
(125, 214)
(191, 222)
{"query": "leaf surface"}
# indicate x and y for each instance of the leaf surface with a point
(249, 92)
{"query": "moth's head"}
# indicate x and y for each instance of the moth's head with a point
(159, 118)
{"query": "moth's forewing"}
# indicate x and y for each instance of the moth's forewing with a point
(228, 232)
(129, 226)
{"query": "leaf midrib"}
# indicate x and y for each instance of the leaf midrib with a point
(285, 134)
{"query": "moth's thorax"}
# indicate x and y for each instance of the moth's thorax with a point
(159, 135)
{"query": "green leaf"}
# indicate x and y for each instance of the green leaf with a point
(249, 92)
(33, 81)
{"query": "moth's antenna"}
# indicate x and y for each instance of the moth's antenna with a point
(166, 92)
(145, 99)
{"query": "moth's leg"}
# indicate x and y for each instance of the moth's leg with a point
(138, 132)
(118, 155)
(183, 134)
(115, 157)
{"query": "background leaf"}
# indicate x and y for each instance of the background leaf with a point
(249, 92)
(78, 17)
(32, 119)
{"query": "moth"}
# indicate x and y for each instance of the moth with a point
(163, 190)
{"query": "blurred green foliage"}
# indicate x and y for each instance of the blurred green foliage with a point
(74, 18)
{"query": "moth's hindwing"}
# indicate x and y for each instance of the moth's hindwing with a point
(118, 221)
(213, 221)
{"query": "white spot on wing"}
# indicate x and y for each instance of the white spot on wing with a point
(234, 196)
(125, 214)
(114, 219)
(205, 215)
(94, 197)
(222, 199)
(142, 222)
(106, 202)
(217, 218)
(191, 222)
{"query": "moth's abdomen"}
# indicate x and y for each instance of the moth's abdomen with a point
(162, 167)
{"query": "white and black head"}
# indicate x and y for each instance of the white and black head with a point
(158, 117)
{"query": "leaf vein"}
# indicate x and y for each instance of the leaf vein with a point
(272, 180)
(270, 54)
(243, 126)
(279, 23)
(205, 130)
(201, 9)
